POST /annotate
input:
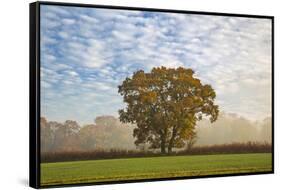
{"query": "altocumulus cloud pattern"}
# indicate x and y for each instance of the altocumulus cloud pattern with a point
(87, 52)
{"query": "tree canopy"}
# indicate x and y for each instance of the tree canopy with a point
(165, 104)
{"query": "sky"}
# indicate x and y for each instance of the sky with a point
(87, 52)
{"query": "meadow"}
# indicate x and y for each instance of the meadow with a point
(91, 171)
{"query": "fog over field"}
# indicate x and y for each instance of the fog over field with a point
(109, 133)
(231, 128)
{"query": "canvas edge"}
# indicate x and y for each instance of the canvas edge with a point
(154, 9)
(34, 171)
(34, 96)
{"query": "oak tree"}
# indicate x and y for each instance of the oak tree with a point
(165, 105)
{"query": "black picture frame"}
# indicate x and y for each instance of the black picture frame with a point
(34, 89)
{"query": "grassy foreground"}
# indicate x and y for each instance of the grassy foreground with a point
(155, 167)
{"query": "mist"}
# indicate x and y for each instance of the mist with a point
(108, 133)
(231, 128)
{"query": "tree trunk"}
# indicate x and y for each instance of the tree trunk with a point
(170, 146)
(163, 148)
(163, 141)
(169, 149)
(171, 142)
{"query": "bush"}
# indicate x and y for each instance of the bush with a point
(250, 147)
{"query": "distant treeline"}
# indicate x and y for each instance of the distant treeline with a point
(249, 147)
(231, 128)
(108, 133)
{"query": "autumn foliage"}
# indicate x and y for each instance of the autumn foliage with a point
(166, 104)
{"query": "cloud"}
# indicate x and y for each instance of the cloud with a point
(68, 21)
(86, 53)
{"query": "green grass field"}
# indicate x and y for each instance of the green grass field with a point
(154, 167)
